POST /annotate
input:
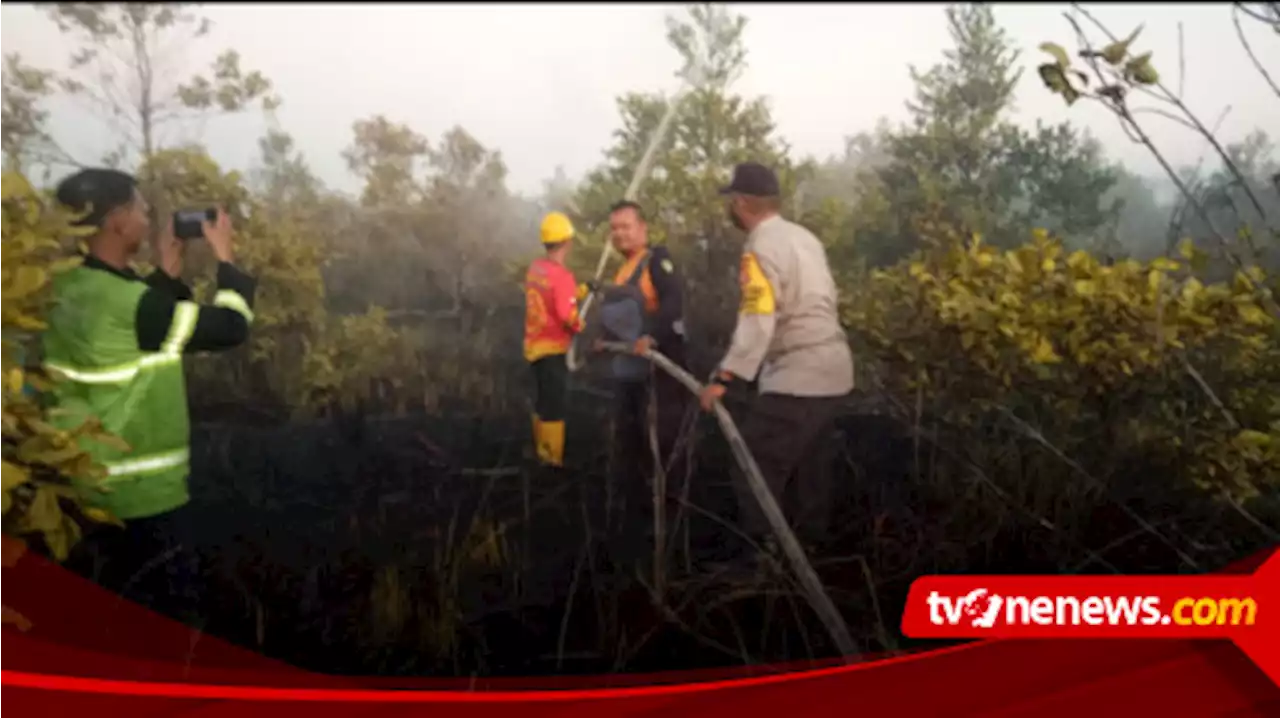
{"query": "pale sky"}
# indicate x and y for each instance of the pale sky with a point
(538, 81)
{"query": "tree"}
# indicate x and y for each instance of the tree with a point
(388, 157)
(124, 67)
(960, 167)
(1063, 180)
(284, 180)
(443, 210)
(558, 193)
(41, 502)
(957, 140)
(472, 214)
(712, 130)
(1143, 223)
(24, 121)
(425, 244)
(827, 201)
(842, 177)
(186, 175)
(1257, 161)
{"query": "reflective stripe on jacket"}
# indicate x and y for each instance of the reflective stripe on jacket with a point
(788, 331)
(91, 351)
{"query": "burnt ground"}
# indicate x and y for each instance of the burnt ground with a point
(430, 545)
(335, 545)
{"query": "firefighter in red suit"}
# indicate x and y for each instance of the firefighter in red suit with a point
(551, 321)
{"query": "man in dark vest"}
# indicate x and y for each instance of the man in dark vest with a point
(115, 343)
(648, 397)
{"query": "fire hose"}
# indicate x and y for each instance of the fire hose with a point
(815, 592)
(817, 595)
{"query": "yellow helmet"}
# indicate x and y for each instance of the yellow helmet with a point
(556, 228)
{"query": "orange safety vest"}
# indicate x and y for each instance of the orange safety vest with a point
(646, 280)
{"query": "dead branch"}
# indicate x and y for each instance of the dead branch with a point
(1176, 100)
(817, 594)
(1120, 108)
(1244, 41)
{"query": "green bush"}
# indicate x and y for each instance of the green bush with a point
(40, 502)
(1106, 365)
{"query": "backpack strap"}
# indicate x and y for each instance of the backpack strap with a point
(634, 279)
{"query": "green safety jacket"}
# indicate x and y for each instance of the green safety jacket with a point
(91, 348)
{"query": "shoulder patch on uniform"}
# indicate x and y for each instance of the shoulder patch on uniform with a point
(757, 292)
(667, 266)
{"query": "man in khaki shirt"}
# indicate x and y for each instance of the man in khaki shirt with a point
(789, 333)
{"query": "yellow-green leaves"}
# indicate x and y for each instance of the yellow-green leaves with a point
(1117, 73)
(39, 459)
(1055, 75)
(1058, 54)
(1055, 78)
(15, 188)
(1116, 51)
(1139, 70)
(1043, 353)
(979, 327)
(14, 476)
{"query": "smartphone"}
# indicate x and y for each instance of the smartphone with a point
(187, 222)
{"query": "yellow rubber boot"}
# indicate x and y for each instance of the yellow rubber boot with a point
(551, 443)
(538, 433)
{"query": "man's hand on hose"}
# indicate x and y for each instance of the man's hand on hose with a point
(643, 345)
(587, 288)
(715, 389)
(711, 394)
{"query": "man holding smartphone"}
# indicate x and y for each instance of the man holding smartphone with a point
(115, 343)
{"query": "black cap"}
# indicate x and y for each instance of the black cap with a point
(753, 179)
(97, 192)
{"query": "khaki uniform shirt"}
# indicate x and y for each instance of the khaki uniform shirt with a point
(788, 327)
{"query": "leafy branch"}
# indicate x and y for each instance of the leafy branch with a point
(1118, 73)
(40, 501)
(1165, 94)
(126, 56)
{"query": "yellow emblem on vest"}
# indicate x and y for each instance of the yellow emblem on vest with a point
(757, 292)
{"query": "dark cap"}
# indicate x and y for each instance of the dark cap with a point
(753, 179)
(96, 192)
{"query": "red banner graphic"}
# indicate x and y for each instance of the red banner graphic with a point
(88, 651)
(1240, 608)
